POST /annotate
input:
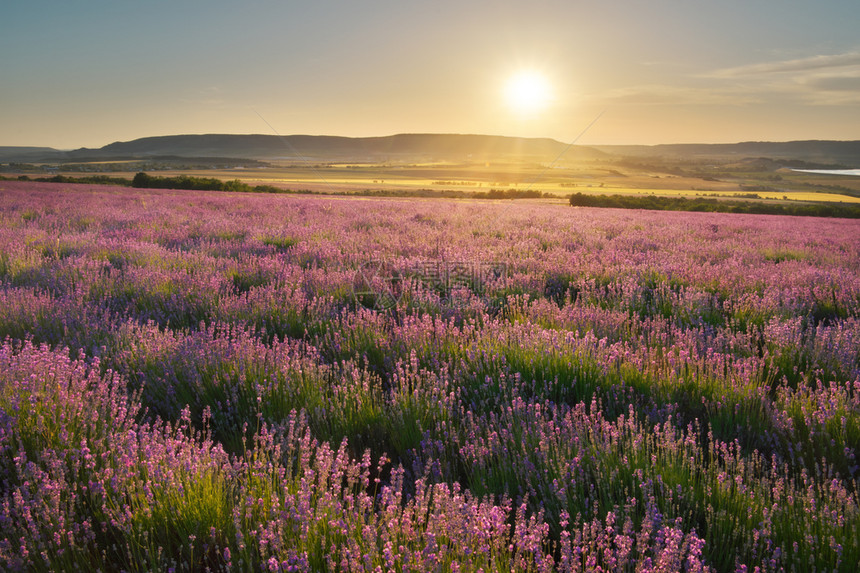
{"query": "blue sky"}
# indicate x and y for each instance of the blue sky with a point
(87, 73)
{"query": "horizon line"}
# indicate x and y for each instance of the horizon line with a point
(443, 134)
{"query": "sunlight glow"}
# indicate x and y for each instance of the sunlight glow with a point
(528, 92)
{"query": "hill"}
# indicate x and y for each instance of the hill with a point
(27, 154)
(402, 147)
(816, 151)
(416, 148)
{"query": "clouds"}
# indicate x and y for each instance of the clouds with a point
(383, 67)
(680, 94)
(745, 98)
(832, 79)
(815, 64)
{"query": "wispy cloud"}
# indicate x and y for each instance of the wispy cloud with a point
(664, 94)
(811, 64)
(825, 80)
(832, 79)
(847, 82)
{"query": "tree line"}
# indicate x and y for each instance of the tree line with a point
(657, 203)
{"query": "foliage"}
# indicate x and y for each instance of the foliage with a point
(198, 384)
(655, 203)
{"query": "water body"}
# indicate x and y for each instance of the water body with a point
(855, 172)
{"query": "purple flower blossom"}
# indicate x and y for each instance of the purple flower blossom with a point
(638, 391)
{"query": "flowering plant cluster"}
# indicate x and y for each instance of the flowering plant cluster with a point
(195, 380)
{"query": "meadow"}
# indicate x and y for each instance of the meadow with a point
(198, 380)
(702, 176)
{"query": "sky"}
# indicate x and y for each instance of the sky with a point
(85, 73)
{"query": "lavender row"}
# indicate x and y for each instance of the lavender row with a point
(621, 389)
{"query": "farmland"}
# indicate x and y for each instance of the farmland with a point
(661, 178)
(245, 382)
(466, 164)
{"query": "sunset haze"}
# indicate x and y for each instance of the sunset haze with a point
(88, 74)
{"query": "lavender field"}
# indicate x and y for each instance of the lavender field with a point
(198, 381)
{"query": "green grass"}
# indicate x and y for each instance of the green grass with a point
(280, 244)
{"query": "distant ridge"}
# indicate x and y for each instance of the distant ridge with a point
(419, 147)
(809, 150)
(25, 154)
(327, 148)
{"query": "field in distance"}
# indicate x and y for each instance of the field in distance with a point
(467, 164)
(664, 178)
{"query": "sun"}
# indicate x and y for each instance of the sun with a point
(528, 92)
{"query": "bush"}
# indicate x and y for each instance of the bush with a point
(650, 202)
(146, 181)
